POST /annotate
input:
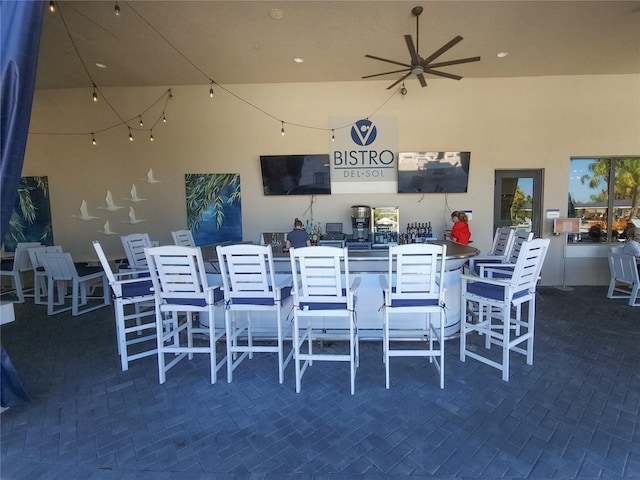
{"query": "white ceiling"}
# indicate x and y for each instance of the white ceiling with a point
(171, 43)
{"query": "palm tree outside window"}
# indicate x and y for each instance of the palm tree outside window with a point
(604, 192)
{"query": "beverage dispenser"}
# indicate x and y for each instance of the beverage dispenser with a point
(386, 226)
(361, 222)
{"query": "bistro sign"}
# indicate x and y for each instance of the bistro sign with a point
(363, 158)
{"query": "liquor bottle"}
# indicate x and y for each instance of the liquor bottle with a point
(429, 231)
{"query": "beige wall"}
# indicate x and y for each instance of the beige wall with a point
(506, 123)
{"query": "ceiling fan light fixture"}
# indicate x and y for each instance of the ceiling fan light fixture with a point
(419, 65)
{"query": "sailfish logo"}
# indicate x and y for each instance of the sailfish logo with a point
(364, 132)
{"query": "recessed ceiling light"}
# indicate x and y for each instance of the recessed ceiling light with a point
(100, 65)
(298, 59)
(502, 54)
(276, 14)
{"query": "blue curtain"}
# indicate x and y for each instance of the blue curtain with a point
(21, 24)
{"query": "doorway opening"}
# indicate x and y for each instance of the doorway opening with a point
(518, 200)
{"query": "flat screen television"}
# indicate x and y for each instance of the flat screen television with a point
(296, 174)
(433, 172)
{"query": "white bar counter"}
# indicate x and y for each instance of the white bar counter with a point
(370, 264)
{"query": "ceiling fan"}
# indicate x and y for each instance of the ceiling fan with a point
(419, 66)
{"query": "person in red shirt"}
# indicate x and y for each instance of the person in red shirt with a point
(460, 232)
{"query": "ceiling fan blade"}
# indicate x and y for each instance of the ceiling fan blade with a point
(442, 49)
(388, 61)
(385, 73)
(442, 74)
(398, 81)
(454, 62)
(421, 79)
(415, 59)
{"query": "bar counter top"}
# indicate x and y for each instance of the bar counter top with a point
(454, 251)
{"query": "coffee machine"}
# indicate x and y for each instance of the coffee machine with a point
(361, 222)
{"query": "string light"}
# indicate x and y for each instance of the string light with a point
(141, 122)
(52, 6)
(333, 137)
(151, 136)
(93, 139)
(170, 93)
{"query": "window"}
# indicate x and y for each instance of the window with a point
(604, 192)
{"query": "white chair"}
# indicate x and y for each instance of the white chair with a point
(500, 249)
(62, 273)
(250, 290)
(507, 261)
(134, 309)
(14, 267)
(183, 237)
(134, 246)
(181, 289)
(321, 292)
(39, 275)
(498, 303)
(625, 281)
(414, 288)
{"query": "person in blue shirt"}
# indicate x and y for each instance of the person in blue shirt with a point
(298, 237)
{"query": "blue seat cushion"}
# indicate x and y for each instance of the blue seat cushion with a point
(6, 265)
(417, 302)
(83, 269)
(495, 292)
(198, 302)
(411, 302)
(285, 292)
(136, 289)
(476, 266)
(325, 305)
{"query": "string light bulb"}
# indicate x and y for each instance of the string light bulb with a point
(282, 129)
(52, 6)
(95, 93)
(164, 118)
(130, 135)
(170, 94)
(211, 89)
(141, 122)
(151, 135)
(403, 90)
(333, 137)
(93, 139)
(117, 8)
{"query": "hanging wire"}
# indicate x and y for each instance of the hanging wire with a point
(237, 97)
(169, 94)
